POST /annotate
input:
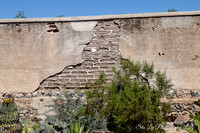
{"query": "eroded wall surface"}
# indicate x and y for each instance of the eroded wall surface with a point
(31, 52)
(60, 55)
(169, 42)
(99, 55)
(38, 60)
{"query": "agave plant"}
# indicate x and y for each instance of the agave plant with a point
(68, 108)
(77, 128)
(54, 125)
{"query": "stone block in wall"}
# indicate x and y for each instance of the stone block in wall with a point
(41, 105)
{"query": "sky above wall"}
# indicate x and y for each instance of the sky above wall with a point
(69, 8)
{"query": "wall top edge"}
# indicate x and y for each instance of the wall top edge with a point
(96, 18)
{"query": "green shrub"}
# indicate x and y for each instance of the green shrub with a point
(35, 126)
(54, 125)
(196, 128)
(196, 118)
(132, 100)
(27, 126)
(67, 109)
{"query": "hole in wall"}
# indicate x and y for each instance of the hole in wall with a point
(161, 54)
(52, 28)
(19, 30)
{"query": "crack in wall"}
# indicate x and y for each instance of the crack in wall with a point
(100, 54)
(38, 54)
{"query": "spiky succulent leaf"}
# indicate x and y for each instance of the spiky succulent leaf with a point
(42, 126)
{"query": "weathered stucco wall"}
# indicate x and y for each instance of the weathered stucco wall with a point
(31, 52)
(39, 58)
(58, 53)
(169, 42)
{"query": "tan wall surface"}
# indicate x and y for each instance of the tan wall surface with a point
(31, 52)
(55, 52)
(39, 58)
(169, 42)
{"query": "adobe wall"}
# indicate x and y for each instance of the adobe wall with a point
(169, 42)
(39, 58)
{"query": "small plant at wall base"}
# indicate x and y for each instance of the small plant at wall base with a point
(67, 110)
(196, 118)
(132, 100)
(54, 125)
(28, 127)
(76, 128)
(9, 116)
(196, 127)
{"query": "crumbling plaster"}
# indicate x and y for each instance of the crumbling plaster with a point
(31, 52)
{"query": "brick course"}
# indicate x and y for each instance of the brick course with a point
(100, 55)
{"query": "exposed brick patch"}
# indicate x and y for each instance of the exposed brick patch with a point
(100, 55)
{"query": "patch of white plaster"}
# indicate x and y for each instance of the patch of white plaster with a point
(83, 26)
(93, 50)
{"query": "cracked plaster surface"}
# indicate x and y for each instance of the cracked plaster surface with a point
(29, 54)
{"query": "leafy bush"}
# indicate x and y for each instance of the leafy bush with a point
(35, 126)
(67, 110)
(54, 125)
(132, 100)
(196, 128)
(27, 126)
